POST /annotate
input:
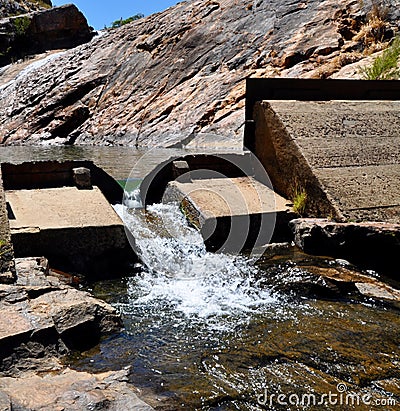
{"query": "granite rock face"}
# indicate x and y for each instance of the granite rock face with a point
(27, 34)
(177, 76)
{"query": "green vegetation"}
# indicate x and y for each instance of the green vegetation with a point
(299, 200)
(385, 67)
(118, 23)
(21, 25)
(5, 247)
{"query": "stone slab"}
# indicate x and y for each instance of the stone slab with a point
(233, 214)
(77, 230)
(64, 207)
(226, 197)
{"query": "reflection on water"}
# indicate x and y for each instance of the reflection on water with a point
(117, 161)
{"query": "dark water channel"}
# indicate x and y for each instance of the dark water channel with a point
(217, 332)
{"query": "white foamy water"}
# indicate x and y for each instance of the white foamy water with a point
(182, 275)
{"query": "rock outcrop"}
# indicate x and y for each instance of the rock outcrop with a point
(70, 390)
(27, 34)
(370, 245)
(15, 7)
(179, 75)
(42, 318)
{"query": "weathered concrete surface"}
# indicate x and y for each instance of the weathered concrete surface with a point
(203, 166)
(7, 269)
(346, 155)
(227, 197)
(369, 245)
(176, 76)
(234, 213)
(63, 207)
(65, 223)
(51, 174)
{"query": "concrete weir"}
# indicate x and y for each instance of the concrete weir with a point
(338, 140)
(227, 197)
(233, 213)
(345, 154)
(63, 211)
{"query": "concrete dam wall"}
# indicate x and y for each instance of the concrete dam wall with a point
(335, 141)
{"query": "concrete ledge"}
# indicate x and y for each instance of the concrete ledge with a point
(154, 184)
(56, 213)
(345, 155)
(66, 223)
(233, 213)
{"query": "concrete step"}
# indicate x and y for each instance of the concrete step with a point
(233, 213)
(65, 223)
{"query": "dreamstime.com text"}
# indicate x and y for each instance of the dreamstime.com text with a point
(341, 397)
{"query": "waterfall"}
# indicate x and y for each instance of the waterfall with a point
(180, 273)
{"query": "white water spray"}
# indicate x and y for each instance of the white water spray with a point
(181, 274)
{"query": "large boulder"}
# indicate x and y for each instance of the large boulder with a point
(57, 28)
(372, 245)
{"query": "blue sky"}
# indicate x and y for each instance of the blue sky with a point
(104, 12)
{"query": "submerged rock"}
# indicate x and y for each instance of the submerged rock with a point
(298, 275)
(173, 77)
(70, 390)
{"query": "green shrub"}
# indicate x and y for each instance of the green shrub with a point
(299, 200)
(118, 23)
(384, 66)
(21, 25)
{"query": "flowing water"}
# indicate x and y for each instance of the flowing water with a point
(217, 332)
(210, 331)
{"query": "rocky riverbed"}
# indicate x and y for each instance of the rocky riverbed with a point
(42, 320)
